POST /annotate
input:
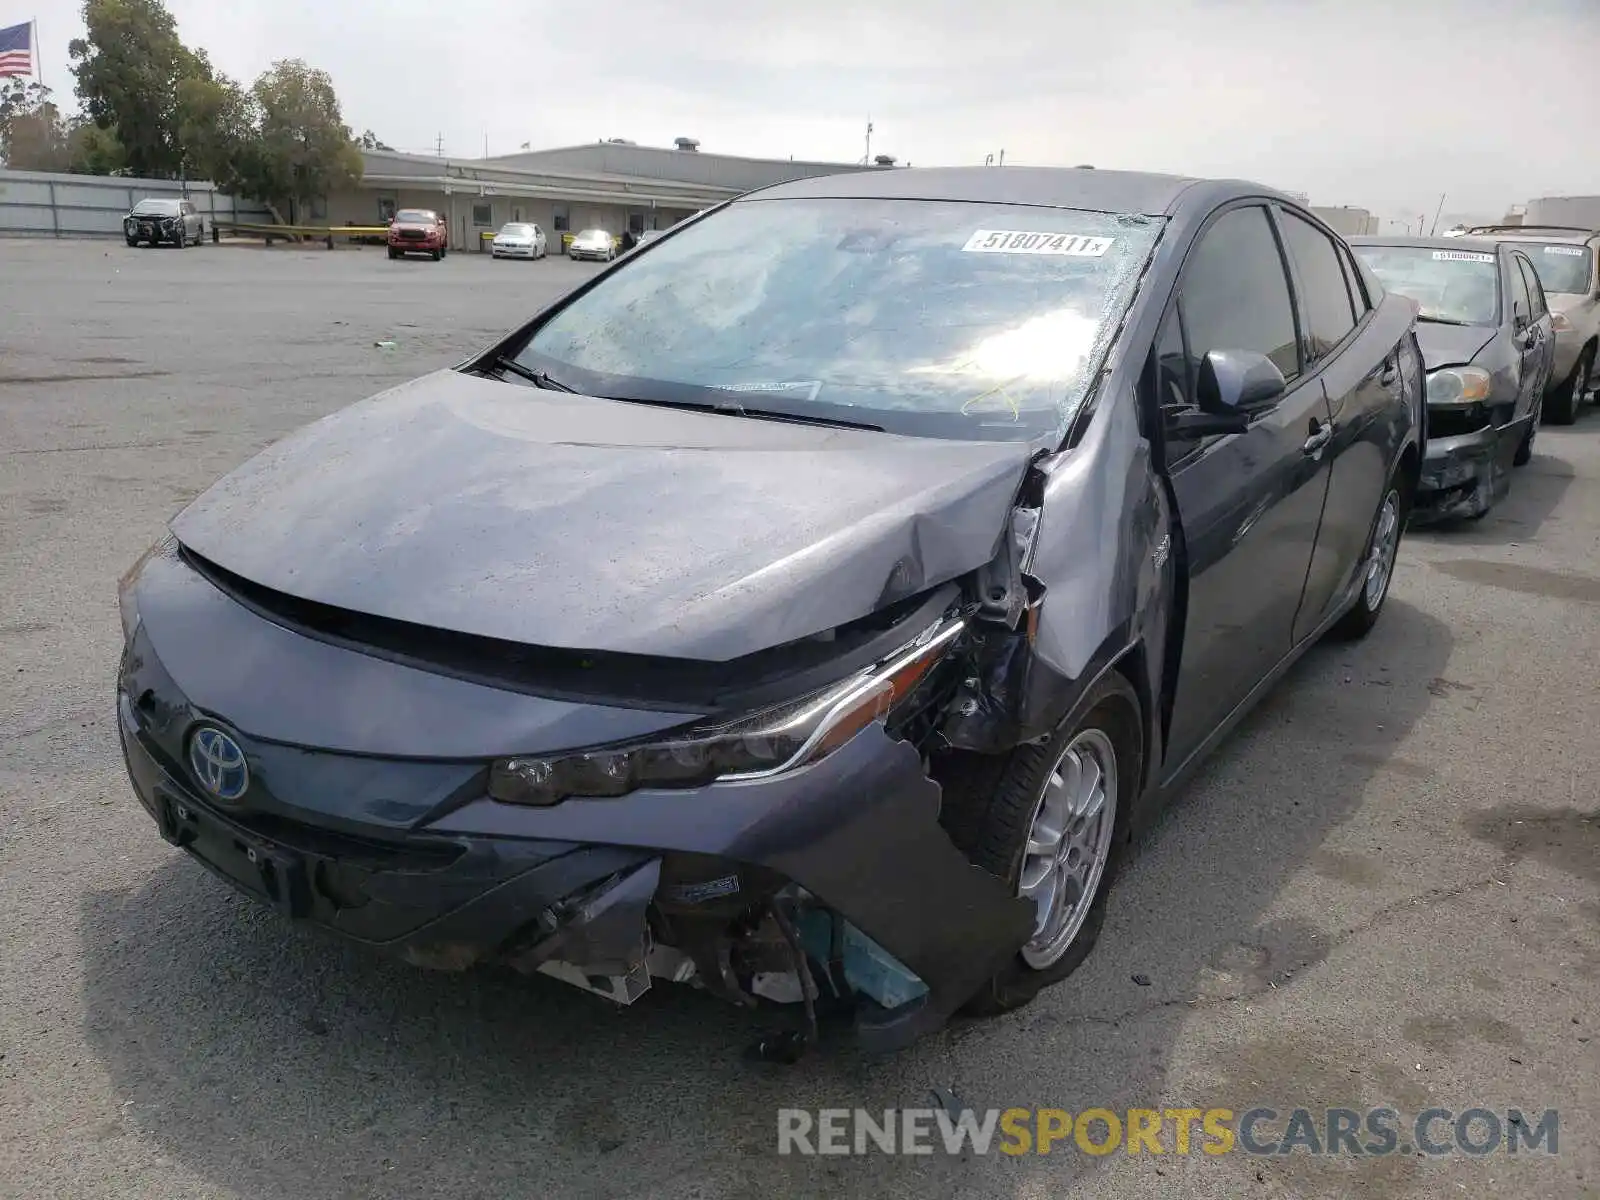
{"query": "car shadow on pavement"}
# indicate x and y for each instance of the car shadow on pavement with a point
(277, 1063)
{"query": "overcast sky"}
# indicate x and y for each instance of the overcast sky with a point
(1364, 102)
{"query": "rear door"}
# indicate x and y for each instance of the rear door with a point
(1249, 503)
(1362, 380)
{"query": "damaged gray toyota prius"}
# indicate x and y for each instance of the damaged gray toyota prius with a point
(809, 607)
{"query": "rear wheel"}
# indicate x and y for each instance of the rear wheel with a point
(1567, 398)
(1050, 819)
(1377, 571)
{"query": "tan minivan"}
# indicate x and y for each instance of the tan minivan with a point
(1565, 258)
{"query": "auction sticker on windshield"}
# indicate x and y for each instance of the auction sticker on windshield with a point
(1570, 251)
(1461, 256)
(1021, 241)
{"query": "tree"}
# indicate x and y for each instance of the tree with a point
(369, 141)
(216, 124)
(302, 148)
(33, 136)
(129, 69)
(94, 151)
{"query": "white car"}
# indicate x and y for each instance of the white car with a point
(518, 240)
(593, 243)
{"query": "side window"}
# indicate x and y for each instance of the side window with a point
(560, 219)
(1325, 292)
(1521, 301)
(1537, 305)
(1358, 294)
(1235, 292)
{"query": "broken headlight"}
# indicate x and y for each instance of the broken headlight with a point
(782, 738)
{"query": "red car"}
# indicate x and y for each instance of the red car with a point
(419, 231)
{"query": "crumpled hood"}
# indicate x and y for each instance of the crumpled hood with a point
(499, 510)
(1451, 345)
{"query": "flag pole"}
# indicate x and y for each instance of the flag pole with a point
(38, 66)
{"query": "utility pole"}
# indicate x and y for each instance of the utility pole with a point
(866, 160)
(438, 146)
(1002, 156)
(1437, 215)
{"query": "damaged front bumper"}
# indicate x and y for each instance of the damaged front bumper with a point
(1462, 476)
(707, 884)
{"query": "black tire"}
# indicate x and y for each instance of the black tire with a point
(182, 240)
(1363, 615)
(393, 253)
(989, 808)
(1524, 454)
(132, 241)
(437, 255)
(1567, 397)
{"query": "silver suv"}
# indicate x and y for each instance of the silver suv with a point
(1566, 259)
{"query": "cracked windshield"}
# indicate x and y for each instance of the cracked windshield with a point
(938, 319)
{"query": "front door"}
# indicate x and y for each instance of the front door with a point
(1249, 503)
(1535, 338)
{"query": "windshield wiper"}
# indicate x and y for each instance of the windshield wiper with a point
(732, 408)
(1441, 320)
(537, 378)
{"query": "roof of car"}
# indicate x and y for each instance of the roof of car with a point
(1052, 187)
(1478, 245)
(1535, 233)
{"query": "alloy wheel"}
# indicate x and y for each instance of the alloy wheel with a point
(1069, 844)
(1385, 543)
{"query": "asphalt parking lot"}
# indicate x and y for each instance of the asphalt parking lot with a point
(1384, 890)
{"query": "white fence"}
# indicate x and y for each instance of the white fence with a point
(42, 204)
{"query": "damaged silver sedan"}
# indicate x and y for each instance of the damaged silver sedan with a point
(809, 609)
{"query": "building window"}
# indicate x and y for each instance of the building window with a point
(560, 219)
(482, 214)
(386, 206)
(635, 223)
(516, 214)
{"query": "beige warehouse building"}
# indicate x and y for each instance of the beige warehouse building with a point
(616, 186)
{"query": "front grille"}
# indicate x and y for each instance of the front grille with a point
(413, 235)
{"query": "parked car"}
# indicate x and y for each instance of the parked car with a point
(518, 240)
(593, 243)
(419, 231)
(649, 235)
(828, 593)
(163, 221)
(1487, 344)
(1566, 261)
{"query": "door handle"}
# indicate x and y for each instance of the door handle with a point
(1321, 435)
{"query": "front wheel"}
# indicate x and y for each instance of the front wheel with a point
(1377, 565)
(130, 239)
(1524, 454)
(1570, 394)
(1051, 820)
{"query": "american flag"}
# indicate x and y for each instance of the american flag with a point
(16, 50)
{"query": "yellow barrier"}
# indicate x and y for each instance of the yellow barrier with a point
(286, 233)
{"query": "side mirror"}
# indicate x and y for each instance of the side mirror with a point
(1238, 383)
